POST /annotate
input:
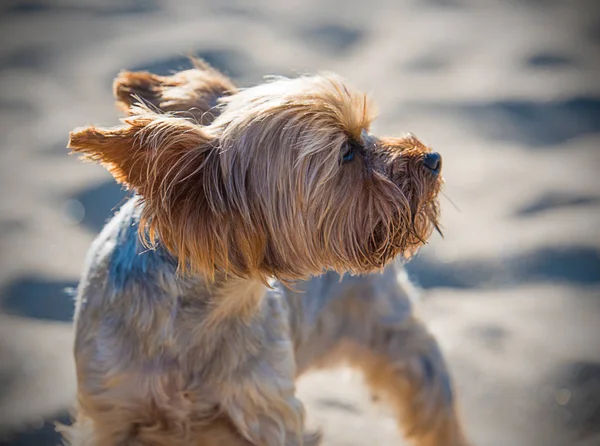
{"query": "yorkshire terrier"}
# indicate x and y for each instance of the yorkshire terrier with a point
(265, 238)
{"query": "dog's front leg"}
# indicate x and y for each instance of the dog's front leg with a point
(259, 393)
(263, 407)
(404, 366)
(368, 322)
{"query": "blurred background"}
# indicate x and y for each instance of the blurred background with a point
(509, 93)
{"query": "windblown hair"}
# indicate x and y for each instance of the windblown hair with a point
(263, 190)
(191, 93)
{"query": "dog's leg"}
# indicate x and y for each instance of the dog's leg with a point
(270, 420)
(405, 367)
(260, 400)
(368, 322)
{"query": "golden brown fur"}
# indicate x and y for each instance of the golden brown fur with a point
(185, 344)
(192, 93)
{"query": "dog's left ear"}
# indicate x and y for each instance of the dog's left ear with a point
(193, 92)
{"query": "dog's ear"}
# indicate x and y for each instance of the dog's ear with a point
(174, 165)
(193, 92)
(145, 149)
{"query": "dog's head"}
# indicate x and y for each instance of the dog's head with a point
(287, 181)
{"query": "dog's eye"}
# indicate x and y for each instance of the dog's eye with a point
(348, 152)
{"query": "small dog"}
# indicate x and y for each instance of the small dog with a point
(243, 261)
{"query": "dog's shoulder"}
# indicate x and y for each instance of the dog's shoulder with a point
(132, 263)
(119, 261)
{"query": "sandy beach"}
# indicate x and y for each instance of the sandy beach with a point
(507, 91)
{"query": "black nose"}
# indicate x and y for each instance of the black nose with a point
(433, 161)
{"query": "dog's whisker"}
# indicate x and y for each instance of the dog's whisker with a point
(450, 200)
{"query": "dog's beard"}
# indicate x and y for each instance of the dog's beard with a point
(386, 221)
(406, 208)
(405, 233)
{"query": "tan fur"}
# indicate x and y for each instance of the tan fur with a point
(192, 93)
(400, 382)
(241, 193)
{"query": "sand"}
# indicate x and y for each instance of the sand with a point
(507, 91)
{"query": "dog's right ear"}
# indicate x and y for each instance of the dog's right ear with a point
(194, 92)
(145, 150)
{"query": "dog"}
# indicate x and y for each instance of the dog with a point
(265, 238)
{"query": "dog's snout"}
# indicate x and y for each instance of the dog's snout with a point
(433, 161)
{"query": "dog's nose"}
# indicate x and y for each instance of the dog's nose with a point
(433, 161)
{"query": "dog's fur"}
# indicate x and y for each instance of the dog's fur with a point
(179, 340)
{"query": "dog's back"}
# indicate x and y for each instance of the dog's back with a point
(327, 309)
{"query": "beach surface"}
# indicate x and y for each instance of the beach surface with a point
(507, 91)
